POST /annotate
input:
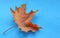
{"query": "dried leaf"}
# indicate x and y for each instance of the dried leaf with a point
(23, 20)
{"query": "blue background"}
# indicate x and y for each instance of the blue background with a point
(48, 17)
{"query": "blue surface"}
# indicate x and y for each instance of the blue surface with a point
(48, 18)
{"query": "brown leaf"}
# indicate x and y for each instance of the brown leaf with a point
(23, 20)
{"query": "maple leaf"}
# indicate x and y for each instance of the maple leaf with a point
(23, 20)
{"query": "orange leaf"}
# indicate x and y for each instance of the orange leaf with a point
(23, 20)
